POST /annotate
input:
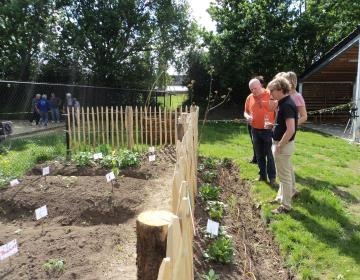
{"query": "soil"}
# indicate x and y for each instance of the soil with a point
(256, 253)
(89, 226)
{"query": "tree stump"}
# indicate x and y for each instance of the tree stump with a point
(151, 231)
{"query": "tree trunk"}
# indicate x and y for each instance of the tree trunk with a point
(151, 231)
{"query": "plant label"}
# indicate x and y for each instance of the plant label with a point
(46, 171)
(8, 249)
(110, 176)
(14, 182)
(98, 156)
(212, 227)
(152, 158)
(41, 212)
(152, 149)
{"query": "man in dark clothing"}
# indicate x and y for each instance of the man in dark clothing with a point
(283, 141)
(35, 110)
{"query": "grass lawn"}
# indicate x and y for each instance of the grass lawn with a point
(25, 152)
(320, 238)
(176, 100)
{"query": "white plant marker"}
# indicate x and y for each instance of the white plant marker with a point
(212, 227)
(46, 171)
(110, 176)
(8, 249)
(41, 212)
(152, 158)
(14, 182)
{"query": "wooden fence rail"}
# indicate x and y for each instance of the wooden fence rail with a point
(121, 126)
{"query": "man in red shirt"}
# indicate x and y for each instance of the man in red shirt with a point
(259, 114)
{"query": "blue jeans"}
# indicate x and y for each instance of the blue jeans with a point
(262, 144)
(44, 117)
(55, 114)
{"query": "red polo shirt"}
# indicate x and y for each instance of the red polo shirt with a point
(258, 107)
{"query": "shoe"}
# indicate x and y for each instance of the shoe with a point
(273, 183)
(280, 210)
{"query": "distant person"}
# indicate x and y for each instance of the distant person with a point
(35, 111)
(44, 106)
(55, 103)
(283, 141)
(258, 114)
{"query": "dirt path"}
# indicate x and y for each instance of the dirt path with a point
(89, 227)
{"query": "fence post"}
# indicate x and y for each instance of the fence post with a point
(68, 136)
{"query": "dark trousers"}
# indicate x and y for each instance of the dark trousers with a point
(262, 144)
(252, 142)
(35, 116)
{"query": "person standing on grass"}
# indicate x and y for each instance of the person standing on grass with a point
(253, 160)
(55, 103)
(44, 106)
(256, 112)
(283, 140)
(35, 110)
(300, 105)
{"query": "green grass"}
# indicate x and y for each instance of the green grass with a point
(176, 100)
(25, 152)
(320, 238)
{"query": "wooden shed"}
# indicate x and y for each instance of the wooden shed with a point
(334, 80)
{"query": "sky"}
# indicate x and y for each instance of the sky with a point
(198, 9)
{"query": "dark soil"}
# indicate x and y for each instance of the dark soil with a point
(256, 254)
(90, 227)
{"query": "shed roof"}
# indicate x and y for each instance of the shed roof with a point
(338, 64)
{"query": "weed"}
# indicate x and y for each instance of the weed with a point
(221, 250)
(215, 210)
(211, 275)
(209, 192)
(54, 265)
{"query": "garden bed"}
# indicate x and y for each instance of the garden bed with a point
(256, 256)
(89, 227)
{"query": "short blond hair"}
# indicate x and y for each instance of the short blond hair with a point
(292, 78)
(280, 83)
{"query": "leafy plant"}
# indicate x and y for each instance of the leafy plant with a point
(128, 158)
(109, 161)
(209, 176)
(54, 265)
(211, 275)
(210, 163)
(105, 149)
(83, 159)
(221, 250)
(215, 210)
(209, 192)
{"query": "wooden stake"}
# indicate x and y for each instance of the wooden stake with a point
(146, 127)
(150, 120)
(107, 124)
(117, 127)
(69, 127)
(73, 123)
(98, 124)
(102, 125)
(175, 126)
(122, 126)
(160, 126)
(78, 124)
(112, 127)
(141, 125)
(93, 126)
(88, 125)
(156, 130)
(170, 126)
(137, 126)
(165, 126)
(83, 125)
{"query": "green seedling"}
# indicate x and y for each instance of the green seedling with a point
(54, 265)
(221, 250)
(215, 210)
(210, 163)
(128, 158)
(209, 192)
(211, 275)
(209, 176)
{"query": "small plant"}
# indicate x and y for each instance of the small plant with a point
(226, 162)
(210, 163)
(209, 192)
(211, 275)
(209, 176)
(221, 250)
(83, 159)
(222, 233)
(105, 149)
(128, 158)
(54, 265)
(109, 161)
(215, 210)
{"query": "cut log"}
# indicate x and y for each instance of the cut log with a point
(151, 231)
